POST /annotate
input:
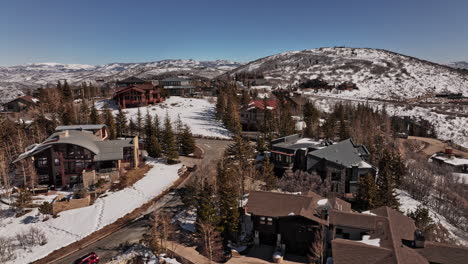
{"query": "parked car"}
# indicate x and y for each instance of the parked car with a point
(89, 258)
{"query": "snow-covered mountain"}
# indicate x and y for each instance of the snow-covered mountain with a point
(15, 80)
(459, 65)
(379, 74)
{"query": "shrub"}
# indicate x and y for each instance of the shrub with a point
(6, 249)
(32, 237)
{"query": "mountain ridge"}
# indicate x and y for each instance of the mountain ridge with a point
(378, 73)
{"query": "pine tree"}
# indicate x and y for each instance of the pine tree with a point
(84, 112)
(221, 105)
(66, 91)
(268, 174)
(228, 196)
(132, 127)
(170, 144)
(148, 127)
(154, 147)
(286, 122)
(366, 197)
(187, 142)
(94, 117)
(207, 210)
(139, 123)
(68, 114)
(386, 182)
(110, 123)
(344, 129)
(311, 119)
(232, 116)
(120, 123)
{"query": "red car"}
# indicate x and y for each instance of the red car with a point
(89, 258)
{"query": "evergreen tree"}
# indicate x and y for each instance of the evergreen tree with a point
(154, 147)
(232, 116)
(132, 127)
(207, 210)
(84, 112)
(149, 129)
(366, 197)
(157, 126)
(120, 123)
(268, 174)
(344, 129)
(187, 142)
(386, 182)
(94, 117)
(67, 92)
(228, 196)
(286, 122)
(139, 123)
(170, 144)
(110, 123)
(68, 114)
(221, 105)
(311, 119)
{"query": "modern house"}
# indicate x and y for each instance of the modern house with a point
(457, 164)
(81, 154)
(290, 152)
(21, 103)
(343, 163)
(289, 222)
(252, 115)
(134, 92)
(384, 235)
(175, 86)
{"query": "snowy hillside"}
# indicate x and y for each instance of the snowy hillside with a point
(378, 73)
(15, 79)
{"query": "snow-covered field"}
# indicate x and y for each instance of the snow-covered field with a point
(75, 224)
(198, 114)
(410, 204)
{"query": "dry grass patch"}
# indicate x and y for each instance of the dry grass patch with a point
(131, 177)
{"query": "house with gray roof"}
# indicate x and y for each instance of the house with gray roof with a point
(342, 163)
(80, 154)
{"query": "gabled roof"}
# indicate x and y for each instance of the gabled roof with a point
(344, 153)
(274, 204)
(26, 98)
(391, 227)
(270, 104)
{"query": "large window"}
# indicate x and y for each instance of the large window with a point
(42, 162)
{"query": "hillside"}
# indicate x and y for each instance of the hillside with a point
(378, 73)
(15, 80)
(459, 65)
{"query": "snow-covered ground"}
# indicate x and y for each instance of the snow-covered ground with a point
(198, 114)
(75, 224)
(410, 204)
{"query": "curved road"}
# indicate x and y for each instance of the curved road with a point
(110, 246)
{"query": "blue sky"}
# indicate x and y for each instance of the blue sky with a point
(104, 31)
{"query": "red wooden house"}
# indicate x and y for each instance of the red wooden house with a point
(137, 95)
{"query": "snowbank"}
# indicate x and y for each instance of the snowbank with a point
(74, 225)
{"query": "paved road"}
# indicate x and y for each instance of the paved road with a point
(110, 246)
